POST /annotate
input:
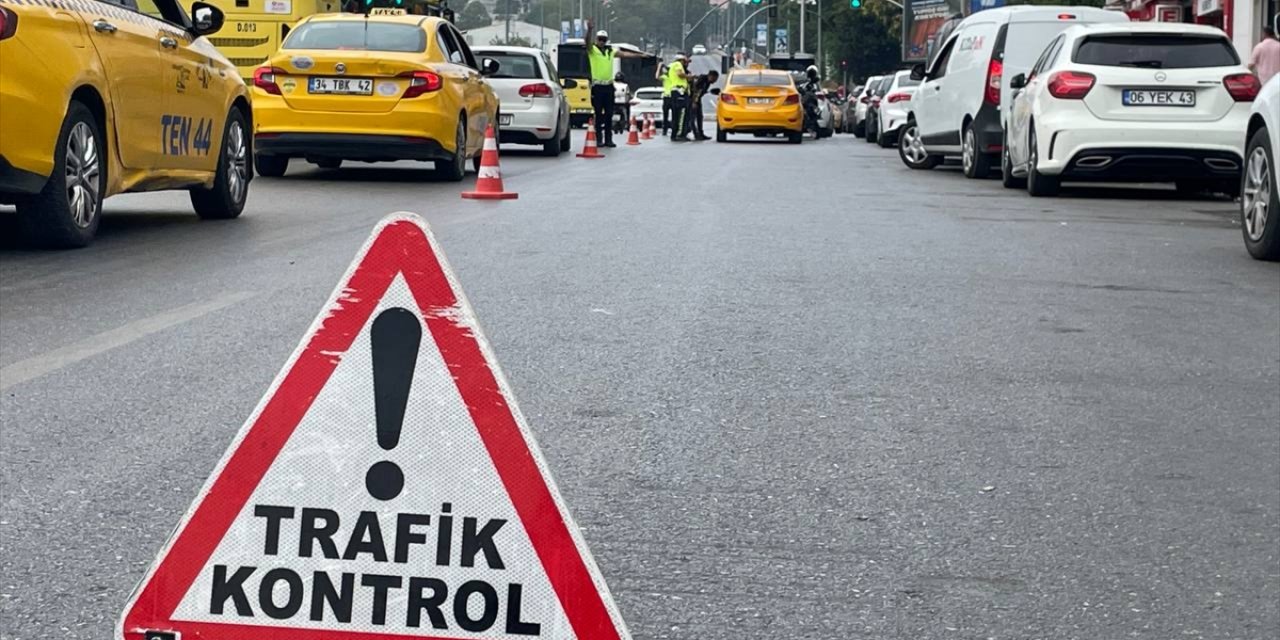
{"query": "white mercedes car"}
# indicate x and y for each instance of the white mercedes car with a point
(1137, 102)
(1260, 184)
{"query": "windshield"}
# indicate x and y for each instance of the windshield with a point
(358, 35)
(513, 65)
(1156, 52)
(759, 80)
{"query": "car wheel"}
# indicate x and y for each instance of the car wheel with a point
(1007, 178)
(976, 163)
(567, 141)
(873, 130)
(1038, 184)
(329, 163)
(231, 182)
(721, 135)
(860, 129)
(553, 147)
(911, 148)
(884, 140)
(1260, 199)
(796, 137)
(65, 213)
(455, 168)
(270, 166)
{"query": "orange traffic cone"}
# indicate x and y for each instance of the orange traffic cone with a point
(647, 132)
(633, 137)
(589, 149)
(489, 180)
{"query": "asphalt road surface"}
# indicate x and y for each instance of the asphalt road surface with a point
(787, 392)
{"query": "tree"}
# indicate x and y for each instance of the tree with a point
(474, 16)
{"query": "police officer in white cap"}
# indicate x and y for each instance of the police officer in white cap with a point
(600, 58)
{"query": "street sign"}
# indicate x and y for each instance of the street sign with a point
(577, 27)
(780, 41)
(762, 35)
(564, 31)
(386, 486)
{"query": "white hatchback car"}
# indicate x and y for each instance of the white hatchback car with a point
(1260, 184)
(647, 101)
(532, 105)
(858, 126)
(1138, 102)
(891, 112)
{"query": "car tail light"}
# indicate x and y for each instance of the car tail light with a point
(8, 23)
(728, 98)
(995, 73)
(1243, 87)
(421, 82)
(1070, 85)
(634, 102)
(898, 97)
(265, 78)
(875, 102)
(1066, 16)
(538, 90)
(792, 99)
(865, 100)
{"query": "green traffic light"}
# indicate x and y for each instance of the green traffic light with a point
(856, 4)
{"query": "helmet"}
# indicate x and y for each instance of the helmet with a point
(602, 34)
(619, 77)
(812, 70)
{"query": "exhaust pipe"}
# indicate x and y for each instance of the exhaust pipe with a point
(1222, 164)
(1093, 162)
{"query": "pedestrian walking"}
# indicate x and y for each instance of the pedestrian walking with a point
(699, 87)
(600, 57)
(679, 79)
(1265, 58)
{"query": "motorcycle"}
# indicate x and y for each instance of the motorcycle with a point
(809, 101)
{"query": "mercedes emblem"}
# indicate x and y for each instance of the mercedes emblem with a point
(1161, 76)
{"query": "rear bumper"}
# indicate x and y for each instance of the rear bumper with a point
(1063, 139)
(532, 126)
(1136, 164)
(19, 181)
(344, 146)
(776, 120)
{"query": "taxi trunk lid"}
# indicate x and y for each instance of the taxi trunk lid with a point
(345, 81)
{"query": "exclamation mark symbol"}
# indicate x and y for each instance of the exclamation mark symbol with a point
(395, 338)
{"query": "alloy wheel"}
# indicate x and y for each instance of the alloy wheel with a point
(967, 151)
(83, 179)
(237, 163)
(1256, 196)
(913, 145)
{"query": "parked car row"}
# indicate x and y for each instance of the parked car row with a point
(1040, 95)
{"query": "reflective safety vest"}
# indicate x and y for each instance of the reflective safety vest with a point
(674, 79)
(601, 65)
(666, 83)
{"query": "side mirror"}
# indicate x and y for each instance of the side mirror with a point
(489, 66)
(569, 83)
(917, 72)
(1018, 82)
(206, 19)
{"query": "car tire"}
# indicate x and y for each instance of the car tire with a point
(721, 135)
(225, 200)
(553, 147)
(455, 168)
(873, 130)
(1259, 194)
(911, 148)
(567, 141)
(976, 164)
(1038, 184)
(860, 130)
(270, 166)
(329, 163)
(796, 137)
(1007, 178)
(66, 215)
(885, 141)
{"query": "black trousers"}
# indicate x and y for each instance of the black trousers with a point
(678, 104)
(666, 114)
(602, 102)
(693, 118)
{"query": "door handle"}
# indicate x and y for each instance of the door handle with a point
(102, 26)
(168, 43)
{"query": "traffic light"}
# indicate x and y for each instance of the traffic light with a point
(756, 1)
(773, 8)
(856, 4)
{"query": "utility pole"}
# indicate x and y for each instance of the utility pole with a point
(803, 10)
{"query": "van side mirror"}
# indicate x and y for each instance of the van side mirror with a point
(1018, 82)
(489, 66)
(206, 19)
(569, 83)
(917, 72)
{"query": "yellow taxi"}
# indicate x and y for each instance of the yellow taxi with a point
(99, 98)
(759, 101)
(372, 88)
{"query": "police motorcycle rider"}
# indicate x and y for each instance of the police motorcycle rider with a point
(809, 88)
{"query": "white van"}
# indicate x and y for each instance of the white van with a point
(957, 109)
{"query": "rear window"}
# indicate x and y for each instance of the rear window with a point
(358, 35)
(906, 81)
(1156, 52)
(649, 94)
(513, 65)
(884, 85)
(760, 80)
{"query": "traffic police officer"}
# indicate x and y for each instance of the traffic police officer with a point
(600, 58)
(678, 78)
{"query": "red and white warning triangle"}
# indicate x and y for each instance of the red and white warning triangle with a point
(385, 487)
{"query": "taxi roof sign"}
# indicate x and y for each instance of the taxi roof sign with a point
(385, 486)
(387, 11)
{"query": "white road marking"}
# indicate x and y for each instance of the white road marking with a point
(36, 366)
